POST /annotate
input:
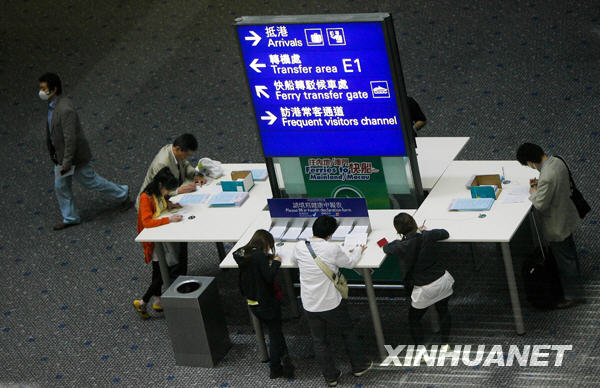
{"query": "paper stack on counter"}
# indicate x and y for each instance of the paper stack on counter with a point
(278, 229)
(294, 230)
(259, 175)
(193, 199)
(228, 199)
(343, 230)
(461, 204)
(307, 232)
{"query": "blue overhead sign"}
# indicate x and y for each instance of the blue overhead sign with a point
(322, 89)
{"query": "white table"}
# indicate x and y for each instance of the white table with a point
(214, 224)
(500, 222)
(229, 224)
(434, 154)
(372, 257)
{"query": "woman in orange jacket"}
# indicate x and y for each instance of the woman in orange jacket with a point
(152, 204)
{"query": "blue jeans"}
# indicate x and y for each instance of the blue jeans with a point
(90, 180)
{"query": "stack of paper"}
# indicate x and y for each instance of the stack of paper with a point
(228, 198)
(307, 232)
(294, 230)
(460, 204)
(278, 229)
(259, 175)
(343, 230)
(193, 199)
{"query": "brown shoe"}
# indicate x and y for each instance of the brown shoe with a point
(63, 225)
(126, 204)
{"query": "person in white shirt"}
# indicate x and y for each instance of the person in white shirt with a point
(324, 306)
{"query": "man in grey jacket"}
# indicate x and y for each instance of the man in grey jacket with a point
(174, 156)
(551, 197)
(70, 152)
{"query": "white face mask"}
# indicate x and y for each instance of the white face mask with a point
(44, 96)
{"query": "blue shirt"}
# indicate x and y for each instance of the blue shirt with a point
(50, 112)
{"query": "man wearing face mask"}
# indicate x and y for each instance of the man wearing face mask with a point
(71, 154)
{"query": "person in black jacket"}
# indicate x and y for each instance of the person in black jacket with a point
(430, 282)
(258, 268)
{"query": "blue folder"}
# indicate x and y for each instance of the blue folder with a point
(466, 204)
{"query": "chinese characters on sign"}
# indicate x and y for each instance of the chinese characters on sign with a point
(322, 89)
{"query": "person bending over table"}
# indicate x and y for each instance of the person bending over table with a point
(152, 204)
(323, 303)
(258, 267)
(551, 197)
(174, 156)
(425, 277)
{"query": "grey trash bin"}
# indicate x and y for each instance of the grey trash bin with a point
(196, 321)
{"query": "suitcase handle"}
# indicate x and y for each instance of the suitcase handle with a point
(537, 233)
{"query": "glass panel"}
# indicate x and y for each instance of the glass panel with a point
(324, 177)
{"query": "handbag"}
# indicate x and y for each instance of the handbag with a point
(339, 281)
(583, 207)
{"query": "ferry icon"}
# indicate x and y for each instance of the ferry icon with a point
(380, 89)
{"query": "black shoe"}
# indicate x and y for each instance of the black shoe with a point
(364, 370)
(126, 204)
(276, 372)
(64, 225)
(288, 371)
(334, 382)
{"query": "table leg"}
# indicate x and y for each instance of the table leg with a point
(374, 313)
(164, 271)
(289, 289)
(260, 337)
(512, 288)
(221, 251)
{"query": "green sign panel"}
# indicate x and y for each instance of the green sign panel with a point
(346, 177)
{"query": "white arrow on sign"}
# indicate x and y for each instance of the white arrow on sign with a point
(260, 89)
(255, 37)
(256, 66)
(269, 116)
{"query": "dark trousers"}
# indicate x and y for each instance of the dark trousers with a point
(416, 329)
(565, 254)
(270, 316)
(155, 288)
(337, 321)
(183, 259)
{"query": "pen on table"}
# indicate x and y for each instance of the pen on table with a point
(503, 174)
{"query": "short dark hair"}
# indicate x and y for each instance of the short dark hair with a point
(529, 152)
(186, 142)
(404, 224)
(165, 178)
(324, 226)
(262, 241)
(53, 82)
